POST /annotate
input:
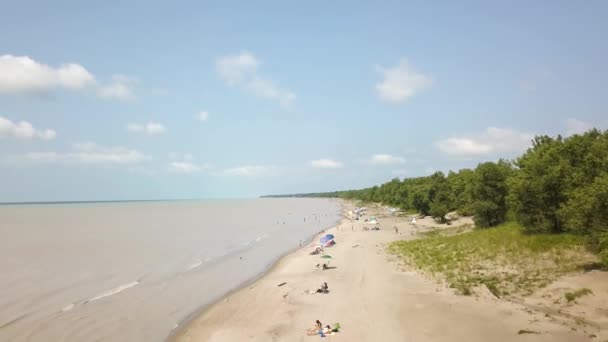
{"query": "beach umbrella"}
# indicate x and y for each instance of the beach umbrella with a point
(327, 238)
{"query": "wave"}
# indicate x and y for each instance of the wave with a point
(68, 307)
(113, 291)
(195, 265)
(105, 294)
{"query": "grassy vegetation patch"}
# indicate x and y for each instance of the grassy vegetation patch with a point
(526, 331)
(572, 296)
(502, 259)
(438, 231)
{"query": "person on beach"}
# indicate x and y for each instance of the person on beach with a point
(318, 329)
(396, 230)
(324, 288)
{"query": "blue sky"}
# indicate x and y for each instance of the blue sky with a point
(237, 99)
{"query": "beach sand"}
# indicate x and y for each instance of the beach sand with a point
(371, 296)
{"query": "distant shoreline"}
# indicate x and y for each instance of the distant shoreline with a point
(119, 201)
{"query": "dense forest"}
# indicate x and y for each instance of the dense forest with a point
(558, 185)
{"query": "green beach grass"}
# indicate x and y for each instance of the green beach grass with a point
(503, 259)
(572, 296)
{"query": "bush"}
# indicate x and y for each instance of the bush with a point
(572, 296)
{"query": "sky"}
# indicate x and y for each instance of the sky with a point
(224, 99)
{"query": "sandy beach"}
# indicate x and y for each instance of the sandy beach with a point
(371, 296)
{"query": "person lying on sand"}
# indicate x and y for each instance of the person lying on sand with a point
(328, 330)
(323, 289)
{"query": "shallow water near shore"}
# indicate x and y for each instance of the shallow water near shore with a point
(132, 271)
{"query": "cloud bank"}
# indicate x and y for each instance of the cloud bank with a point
(491, 140)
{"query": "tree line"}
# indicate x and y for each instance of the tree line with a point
(558, 185)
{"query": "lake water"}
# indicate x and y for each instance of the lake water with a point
(133, 271)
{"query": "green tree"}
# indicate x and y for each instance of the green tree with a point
(439, 195)
(461, 187)
(538, 188)
(490, 193)
(420, 201)
(586, 211)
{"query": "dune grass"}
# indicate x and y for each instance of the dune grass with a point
(572, 296)
(526, 331)
(503, 259)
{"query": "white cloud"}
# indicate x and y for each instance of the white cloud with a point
(241, 71)
(251, 171)
(492, 140)
(464, 146)
(121, 88)
(401, 82)
(89, 153)
(24, 130)
(202, 116)
(386, 159)
(325, 164)
(21, 74)
(575, 126)
(181, 157)
(236, 69)
(183, 167)
(149, 128)
(185, 164)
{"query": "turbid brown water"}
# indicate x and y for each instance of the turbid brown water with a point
(133, 271)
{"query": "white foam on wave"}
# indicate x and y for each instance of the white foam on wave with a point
(195, 265)
(68, 307)
(114, 291)
(108, 293)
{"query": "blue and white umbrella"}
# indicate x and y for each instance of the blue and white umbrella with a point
(327, 238)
